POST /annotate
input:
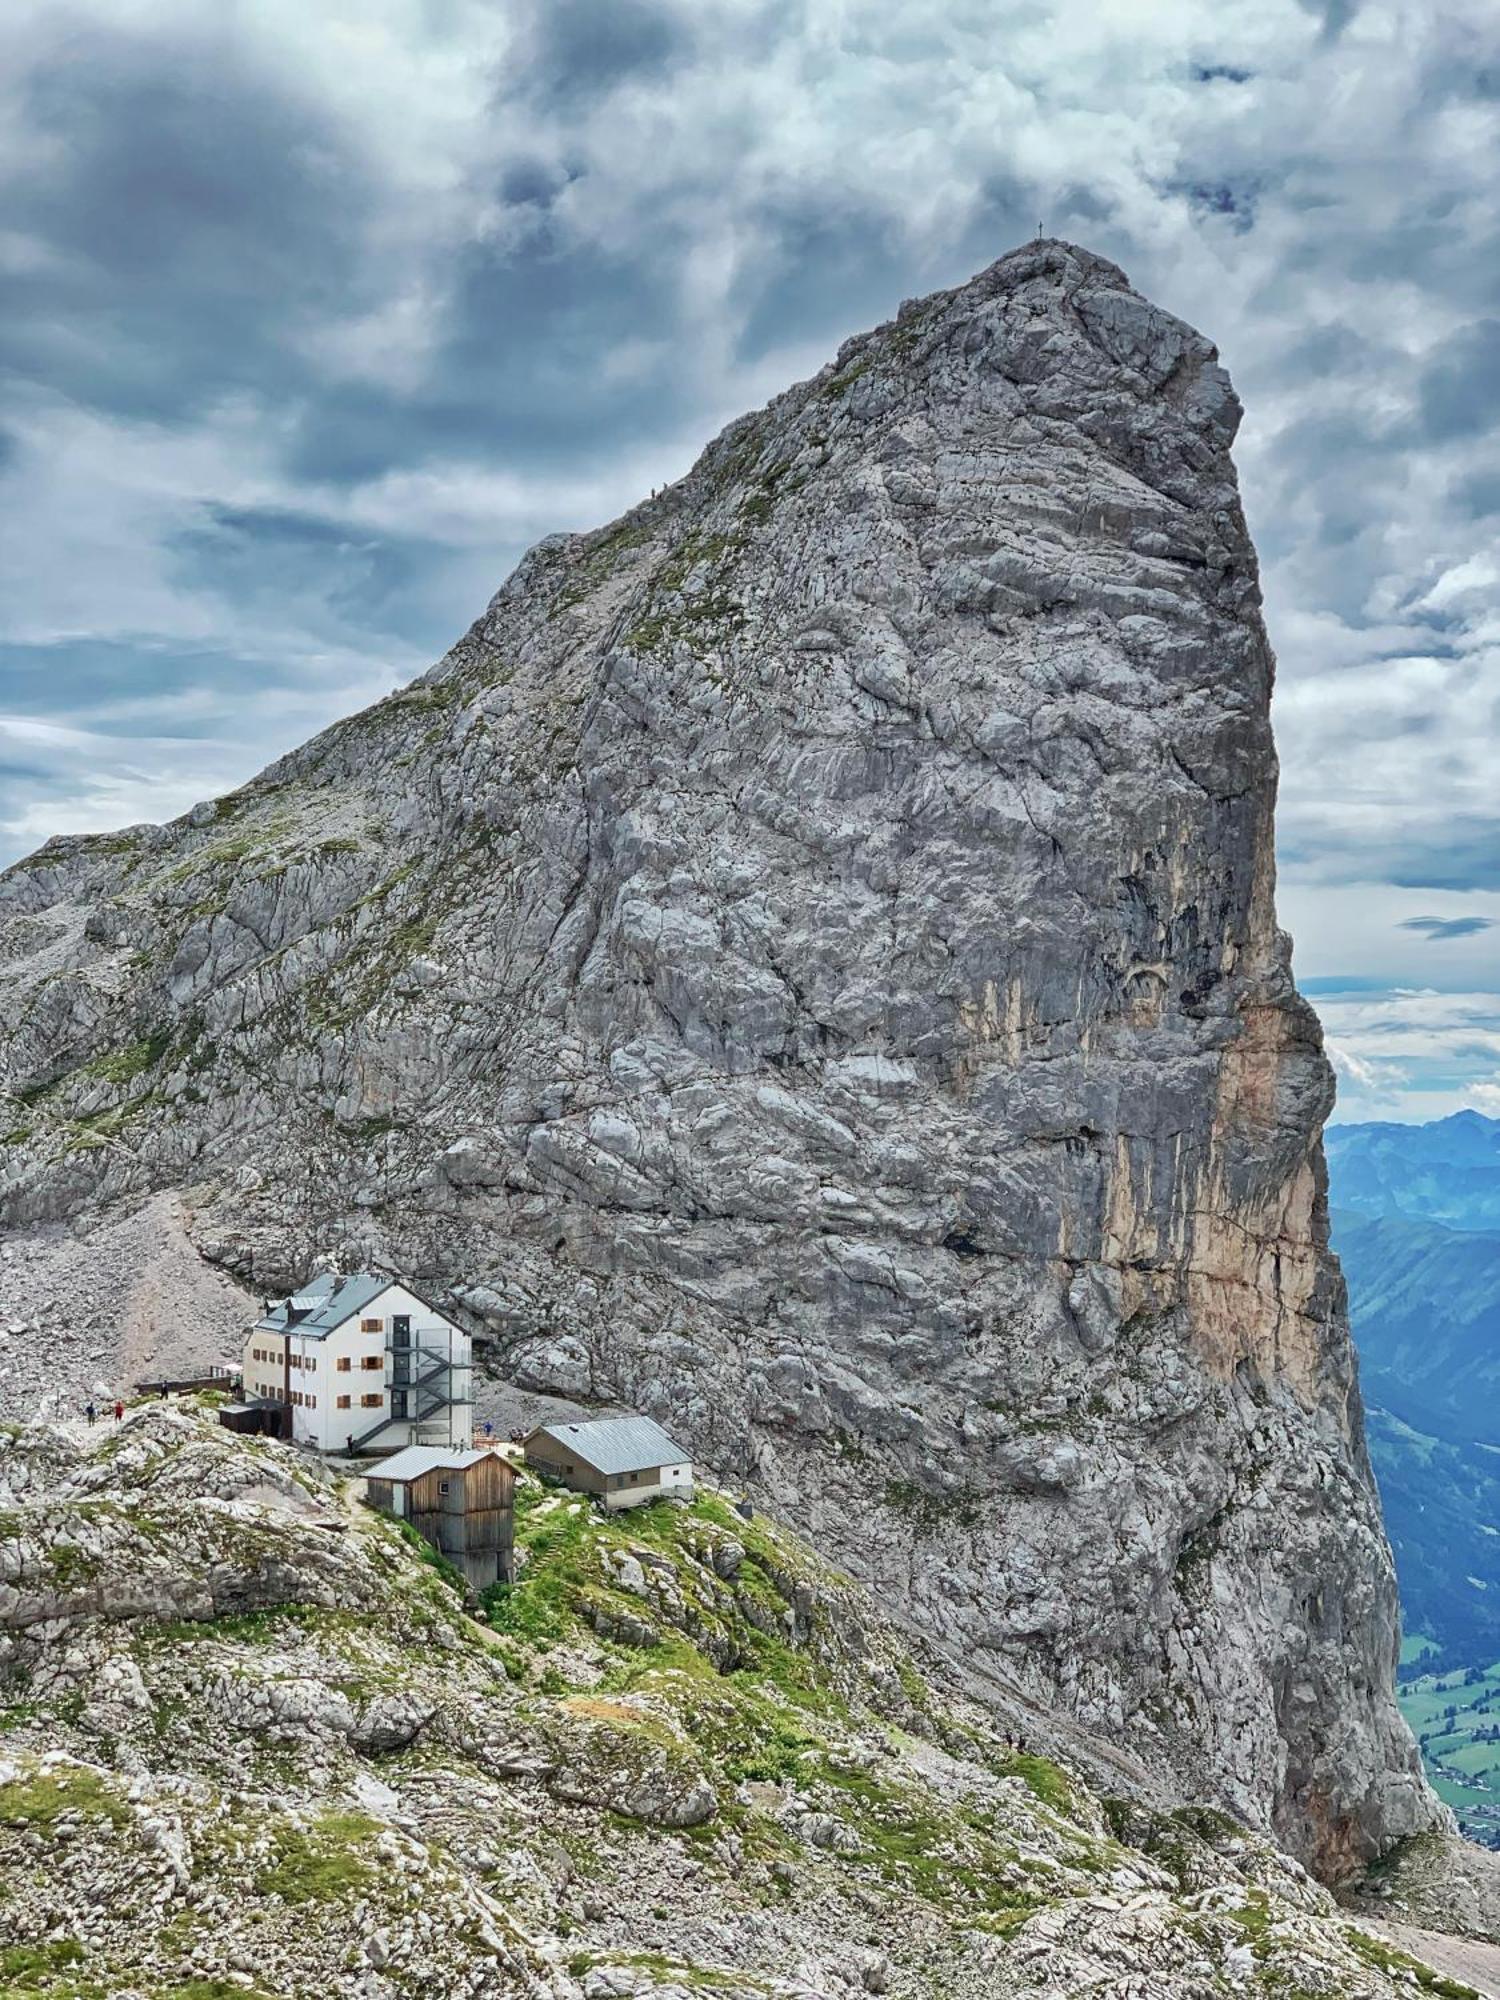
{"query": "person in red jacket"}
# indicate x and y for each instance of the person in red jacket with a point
(119, 1411)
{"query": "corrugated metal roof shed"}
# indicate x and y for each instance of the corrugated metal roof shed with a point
(618, 1444)
(419, 1459)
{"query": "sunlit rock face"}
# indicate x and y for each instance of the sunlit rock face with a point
(805, 963)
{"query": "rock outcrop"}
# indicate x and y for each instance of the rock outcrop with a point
(806, 963)
(255, 1744)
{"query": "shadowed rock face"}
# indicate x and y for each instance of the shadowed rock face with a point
(805, 963)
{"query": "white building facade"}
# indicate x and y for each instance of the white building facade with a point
(363, 1362)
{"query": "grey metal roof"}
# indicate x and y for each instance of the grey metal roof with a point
(328, 1302)
(617, 1444)
(418, 1459)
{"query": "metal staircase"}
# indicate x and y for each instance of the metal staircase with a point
(423, 1380)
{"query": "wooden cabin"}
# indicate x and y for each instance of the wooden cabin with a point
(462, 1502)
(257, 1419)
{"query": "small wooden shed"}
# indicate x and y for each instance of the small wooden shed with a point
(462, 1502)
(256, 1419)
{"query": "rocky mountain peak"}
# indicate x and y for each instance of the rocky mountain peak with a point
(805, 964)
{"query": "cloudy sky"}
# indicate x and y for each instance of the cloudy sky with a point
(316, 315)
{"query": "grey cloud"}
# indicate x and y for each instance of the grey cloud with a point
(1460, 387)
(1235, 200)
(194, 210)
(1478, 492)
(1440, 929)
(1463, 855)
(821, 265)
(310, 321)
(576, 51)
(1334, 14)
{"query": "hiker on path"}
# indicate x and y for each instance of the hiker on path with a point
(119, 1411)
(90, 1412)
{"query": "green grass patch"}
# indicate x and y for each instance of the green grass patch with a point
(21, 1961)
(844, 381)
(542, 1605)
(1045, 1780)
(124, 1065)
(710, 611)
(42, 1799)
(210, 1989)
(1400, 1966)
(434, 1558)
(328, 1861)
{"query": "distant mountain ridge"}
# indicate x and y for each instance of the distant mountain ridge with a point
(1425, 1304)
(1447, 1171)
(1442, 1513)
(1423, 1272)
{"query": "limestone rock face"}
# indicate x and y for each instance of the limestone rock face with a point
(806, 964)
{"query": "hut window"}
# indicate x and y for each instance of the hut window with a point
(373, 1361)
(343, 1402)
(442, 1486)
(371, 1325)
(342, 1364)
(370, 1402)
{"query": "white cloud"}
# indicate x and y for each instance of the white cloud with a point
(1367, 1075)
(1476, 575)
(1410, 1055)
(773, 180)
